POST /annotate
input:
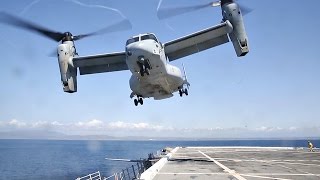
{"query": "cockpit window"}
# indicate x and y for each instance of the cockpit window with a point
(132, 40)
(149, 36)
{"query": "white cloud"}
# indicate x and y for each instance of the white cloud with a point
(56, 123)
(121, 128)
(92, 124)
(40, 124)
(16, 123)
(44, 125)
(269, 129)
(141, 125)
(118, 125)
(262, 128)
(215, 129)
(133, 126)
(293, 128)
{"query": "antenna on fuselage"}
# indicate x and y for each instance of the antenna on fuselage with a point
(185, 76)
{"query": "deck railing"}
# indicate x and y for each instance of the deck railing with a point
(132, 172)
(93, 176)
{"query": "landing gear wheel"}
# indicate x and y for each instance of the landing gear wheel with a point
(180, 92)
(186, 92)
(141, 101)
(135, 102)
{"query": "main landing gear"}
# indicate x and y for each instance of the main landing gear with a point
(138, 101)
(183, 91)
(144, 66)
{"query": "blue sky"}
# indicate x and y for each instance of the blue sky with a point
(271, 92)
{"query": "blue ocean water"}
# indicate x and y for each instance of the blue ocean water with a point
(56, 160)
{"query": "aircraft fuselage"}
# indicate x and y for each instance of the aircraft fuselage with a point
(152, 76)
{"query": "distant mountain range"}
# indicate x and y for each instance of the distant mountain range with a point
(50, 135)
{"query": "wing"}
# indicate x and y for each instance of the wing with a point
(198, 41)
(101, 63)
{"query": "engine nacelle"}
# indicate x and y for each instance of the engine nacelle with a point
(238, 37)
(68, 72)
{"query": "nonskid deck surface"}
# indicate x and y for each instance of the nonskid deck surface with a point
(241, 163)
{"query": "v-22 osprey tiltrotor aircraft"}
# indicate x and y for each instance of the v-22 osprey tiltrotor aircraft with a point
(144, 55)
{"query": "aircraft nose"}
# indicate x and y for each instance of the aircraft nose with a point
(141, 49)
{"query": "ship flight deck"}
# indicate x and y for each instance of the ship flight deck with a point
(251, 163)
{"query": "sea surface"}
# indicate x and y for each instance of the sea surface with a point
(66, 159)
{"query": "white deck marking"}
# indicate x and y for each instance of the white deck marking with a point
(292, 162)
(240, 147)
(232, 172)
(193, 173)
(278, 174)
(297, 170)
(271, 163)
(263, 177)
(288, 168)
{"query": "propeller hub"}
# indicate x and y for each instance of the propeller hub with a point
(67, 37)
(223, 2)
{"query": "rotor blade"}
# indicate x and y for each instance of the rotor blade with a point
(244, 9)
(18, 22)
(216, 4)
(119, 26)
(165, 13)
